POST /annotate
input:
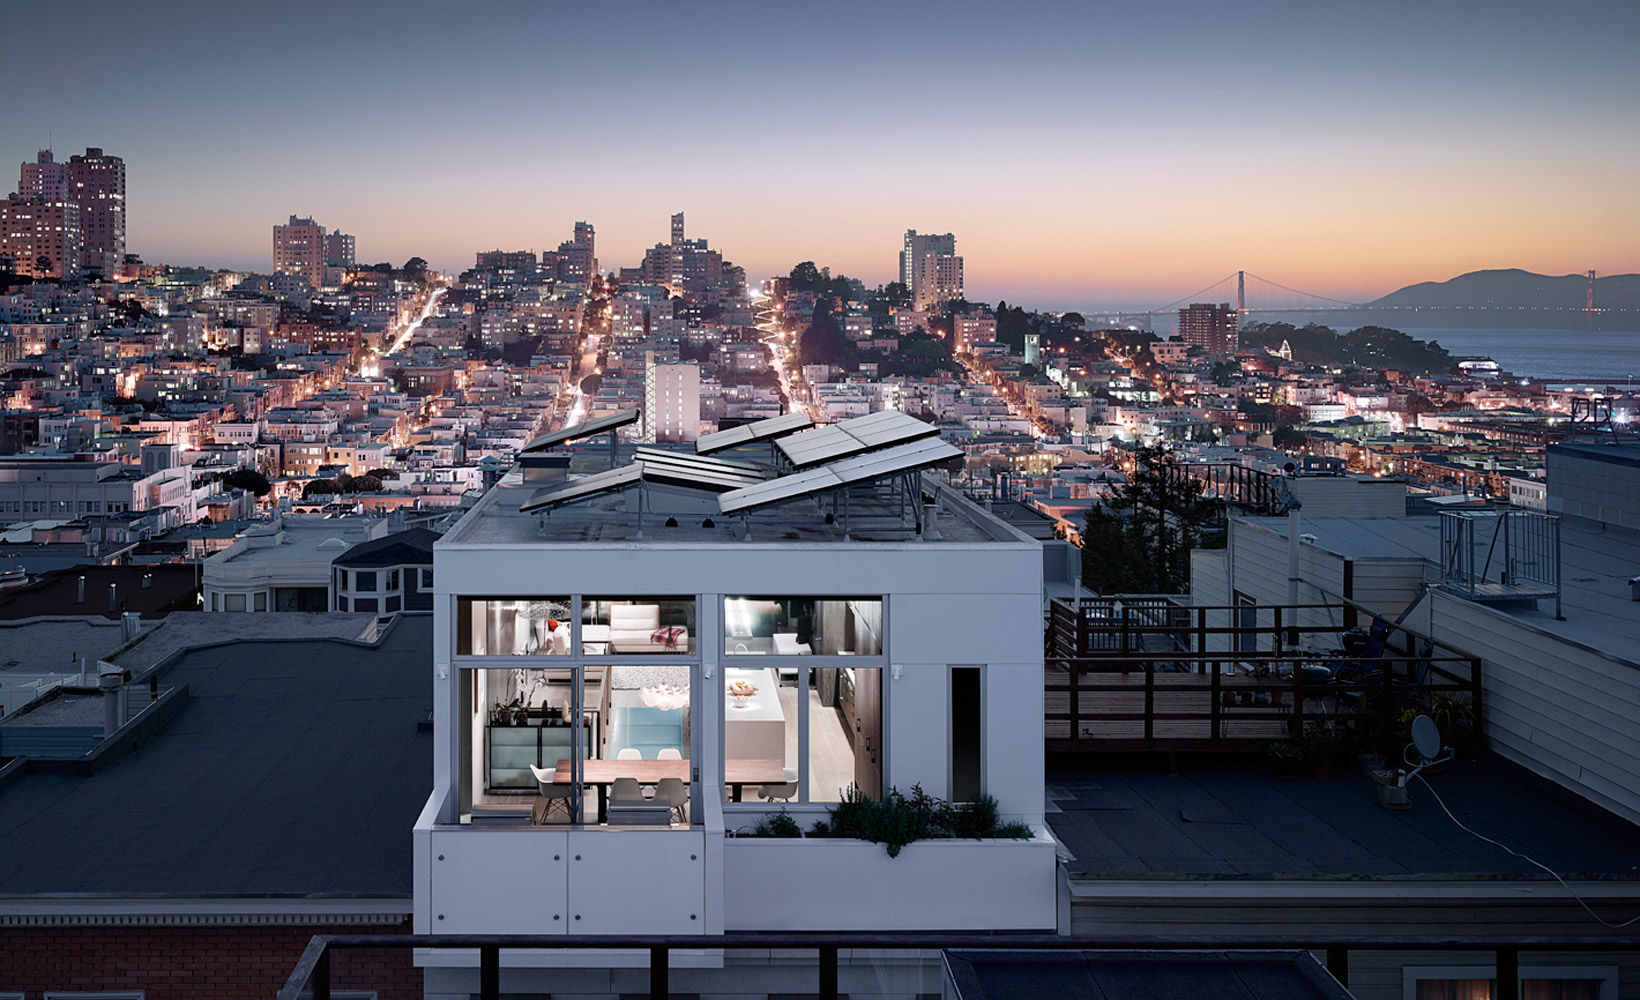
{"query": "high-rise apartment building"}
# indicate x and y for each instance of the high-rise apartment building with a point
(96, 182)
(299, 248)
(671, 401)
(339, 250)
(677, 229)
(930, 268)
(70, 214)
(577, 259)
(1210, 327)
(42, 237)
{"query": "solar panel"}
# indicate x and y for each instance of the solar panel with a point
(597, 425)
(686, 460)
(858, 469)
(671, 475)
(757, 430)
(603, 482)
(799, 484)
(882, 429)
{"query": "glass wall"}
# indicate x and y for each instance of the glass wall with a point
(803, 626)
(519, 736)
(512, 626)
(845, 707)
(628, 625)
(762, 709)
(771, 714)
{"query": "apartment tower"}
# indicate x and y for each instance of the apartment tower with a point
(1210, 327)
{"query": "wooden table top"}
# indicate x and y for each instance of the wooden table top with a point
(737, 771)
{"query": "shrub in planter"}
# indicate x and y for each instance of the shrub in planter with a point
(780, 824)
(900, 819)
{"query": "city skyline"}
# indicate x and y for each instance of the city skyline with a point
(1106, 156)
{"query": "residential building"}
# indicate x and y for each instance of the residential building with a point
(284, 564)
(920, 245)
(339, 250)
(96, 182)
(672, 401)
(939, 280)
(385, 575)
(42, 236)
(299, 249)
(1213, 328)
(775, 658)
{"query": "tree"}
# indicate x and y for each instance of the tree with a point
(1073, 319)
(249, 480)
(42, 264)
(1139, 537)
(359, 484)
(319, 487)
(806, 277)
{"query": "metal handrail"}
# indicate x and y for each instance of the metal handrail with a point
(313, 970)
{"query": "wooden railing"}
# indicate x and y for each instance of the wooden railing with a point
(1150, 673)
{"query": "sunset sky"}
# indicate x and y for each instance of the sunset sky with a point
(1085, 154)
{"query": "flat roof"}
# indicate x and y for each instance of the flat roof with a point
(497, 519)
(1230, 817)
(314, 800)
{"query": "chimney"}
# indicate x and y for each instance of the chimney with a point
(112, 685)
(79, 591)
(130, 625)
(147, 580)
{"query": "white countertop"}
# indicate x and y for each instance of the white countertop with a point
(764, 706)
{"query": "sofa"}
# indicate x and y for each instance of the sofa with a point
(633, 628)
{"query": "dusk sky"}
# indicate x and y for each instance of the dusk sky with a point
(1084, 154)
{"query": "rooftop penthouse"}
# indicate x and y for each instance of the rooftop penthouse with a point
(635, 662)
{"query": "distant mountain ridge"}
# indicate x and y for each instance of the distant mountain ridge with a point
(1518, 289)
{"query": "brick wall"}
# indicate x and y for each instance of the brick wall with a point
(192, 963)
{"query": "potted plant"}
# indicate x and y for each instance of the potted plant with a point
(1454, 714)
(1289, 758)
(1321, 741)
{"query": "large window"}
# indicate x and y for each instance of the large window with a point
(513, 626)
(641, 625)
(803, 626)
(803, 733)
(1539, 983)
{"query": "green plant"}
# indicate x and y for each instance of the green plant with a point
(1322, 741)
(1281, 750)
(900, 819)
(780, 824)
(1452, 711)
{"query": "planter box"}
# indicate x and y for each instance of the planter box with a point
(819, 883)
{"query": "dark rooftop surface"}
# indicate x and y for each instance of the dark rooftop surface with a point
(411, 546)
(1232, 818)
(1141, 975)
(296, 768)
(172, 588)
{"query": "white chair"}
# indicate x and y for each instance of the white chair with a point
(629, 753)
(675, 794)
(782, 792)
(552, 793)
(668, 753)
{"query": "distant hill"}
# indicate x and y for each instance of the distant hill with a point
(1514, 288)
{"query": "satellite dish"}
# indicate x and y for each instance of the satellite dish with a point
(1426, 736)
(1289, 468)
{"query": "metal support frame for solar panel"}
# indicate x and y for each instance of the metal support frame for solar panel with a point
(767, 429)
(588, 428)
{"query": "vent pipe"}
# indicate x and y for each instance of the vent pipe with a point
(131, 625)
(113, 597)
(111, 684)
(79, 591)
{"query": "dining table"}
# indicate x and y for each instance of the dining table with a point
(600, 774)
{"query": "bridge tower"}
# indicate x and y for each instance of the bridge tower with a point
(1241, 294)
(1588, 302)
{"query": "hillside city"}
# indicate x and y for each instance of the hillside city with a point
(377, 626)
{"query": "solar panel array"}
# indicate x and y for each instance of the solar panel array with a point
(597, 425)
(908, 457)
(654, 466)
(883, 429)
(757, 430)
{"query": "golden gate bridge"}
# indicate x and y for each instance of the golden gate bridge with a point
(1255, 296)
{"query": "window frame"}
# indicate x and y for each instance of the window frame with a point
(1412, 975)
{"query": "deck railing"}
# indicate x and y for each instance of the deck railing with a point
(1150, 672)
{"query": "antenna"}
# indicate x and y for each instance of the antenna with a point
(1426, 741)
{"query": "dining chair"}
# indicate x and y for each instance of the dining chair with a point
(626, 791)
(674, 793)
(629, 753)
(668, 753)
(552, 794)
(782, 792)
